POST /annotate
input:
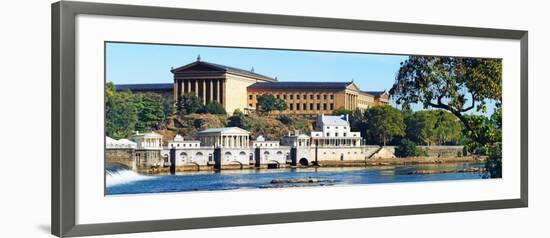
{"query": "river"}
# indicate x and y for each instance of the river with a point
(120, 181)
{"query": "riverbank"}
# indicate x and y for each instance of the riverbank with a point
(403, 161)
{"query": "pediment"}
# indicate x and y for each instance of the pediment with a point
(197, 67)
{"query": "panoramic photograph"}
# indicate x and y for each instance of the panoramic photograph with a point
(184, 118)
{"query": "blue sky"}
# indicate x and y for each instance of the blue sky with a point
(129, 63)
(149, 63)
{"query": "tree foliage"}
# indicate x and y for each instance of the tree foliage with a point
(429, 127)
(408, 148)
(189, 103)
(126, 112)
(267, 103)
(382, 123)
(237, 119)
(214, 107)
(150, 110)
(458, 85)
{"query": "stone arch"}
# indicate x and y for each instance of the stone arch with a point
(227, 155)
(183, 156)
(303, 161)
(266, 155)
(242, 156)
(273, 164)
(237, 163)
(193, 165)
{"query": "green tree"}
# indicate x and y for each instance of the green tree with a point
(121, 116)
(382, 123)
(189, 103)
(447, 127)
(342, 111)
(267, 103)
(150, 110)
(458, 85)
(237, 119)
(407, 148)
(432, 126)
(421, 127)
(214, 107)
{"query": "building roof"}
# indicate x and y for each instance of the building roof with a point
(340, 120)
(225, 68)
(148, 134)
(145, 87)
(374, 93)
(224, 130)
(300, 85)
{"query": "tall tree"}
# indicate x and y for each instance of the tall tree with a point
(432, 126)
(267, 103)
(121, 116)
(150, 110)
(383, 122)
(458, 85)
(189, 103)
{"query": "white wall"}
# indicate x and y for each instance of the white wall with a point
(25, 60)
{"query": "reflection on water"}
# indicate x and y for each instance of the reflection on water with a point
(251, 178)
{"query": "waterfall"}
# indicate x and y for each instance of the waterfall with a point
(116, 174)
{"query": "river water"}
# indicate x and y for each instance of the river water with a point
(120, 181)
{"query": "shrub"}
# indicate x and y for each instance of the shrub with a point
(285, 119)
(407, 148)
(215, 108)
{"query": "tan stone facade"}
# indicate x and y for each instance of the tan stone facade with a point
(239, 89)
(215, 83)
(312, 101)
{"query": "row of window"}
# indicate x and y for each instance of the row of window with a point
(298, 96)
(296, 107)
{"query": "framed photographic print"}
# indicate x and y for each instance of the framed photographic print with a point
(167, 118)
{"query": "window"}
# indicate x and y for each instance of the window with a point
(284, 97)
(291, 106)
(328, 133)
(304, 97)
(318, 105)
(297, 107)
(336, 134)
(325, 97)
(250, 105)
(277, 96)
(332, 106)
(311, 96)
(304, 106)
(291, 97)
(324, 106)
(250, 96)
(311, 106)
(344, 134)
(318, 96)
(297, 97)
(332, 96)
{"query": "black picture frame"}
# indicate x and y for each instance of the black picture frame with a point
(64, 132)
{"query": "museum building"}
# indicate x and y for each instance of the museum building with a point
(236, 88)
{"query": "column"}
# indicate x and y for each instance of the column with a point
(211, 82)
(188, 82)
(196, 87)
(223, 92)
(204, 91)
(219, 90)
